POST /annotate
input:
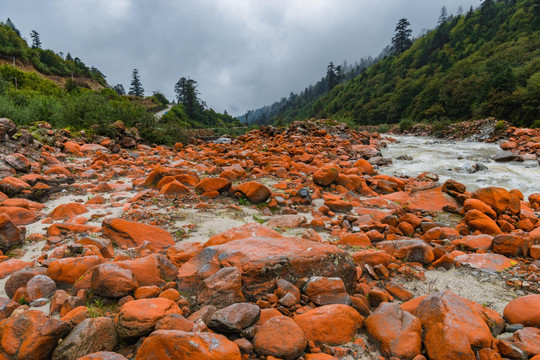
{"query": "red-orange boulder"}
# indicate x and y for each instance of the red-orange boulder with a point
(127, 234)
(181, 345)
(499, 199)
(280, 337)
(326, 175)
(330, 324)
(524, 310)
(254, 191)
(111, 280)
(451, 328)
(69, 270)
(10, 234)
(398, 332)
(30, 335)
(477, 220)
(138, 317)
(208, 184)
(69, 210)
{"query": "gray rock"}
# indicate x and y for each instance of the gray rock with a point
(234, 318)
(506, 156)
(91, 335)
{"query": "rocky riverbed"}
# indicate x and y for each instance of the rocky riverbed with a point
(293, 243)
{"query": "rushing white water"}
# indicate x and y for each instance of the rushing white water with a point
(449, 159)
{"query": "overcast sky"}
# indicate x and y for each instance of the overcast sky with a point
(244, 54)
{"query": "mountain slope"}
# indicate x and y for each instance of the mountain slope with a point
(483, 63)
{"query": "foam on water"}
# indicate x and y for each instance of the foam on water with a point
(447, 158)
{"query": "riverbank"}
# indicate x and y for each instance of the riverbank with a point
(229, 246)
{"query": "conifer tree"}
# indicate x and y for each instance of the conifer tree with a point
(36, 43)
(136, 86)
(402, 38)
(12, 26)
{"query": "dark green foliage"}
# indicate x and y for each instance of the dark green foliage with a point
(136, 88)
(119, 89)
(36, 43)
(466, 68)
(160, 98)
(12, 45)
(402, 38)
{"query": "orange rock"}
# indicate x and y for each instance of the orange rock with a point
(66, 211)
(132, 234)
(451, 328)
(326, 291)
(534, 251)
(365, 166)
(147, 292)
(208, 184)
(320, 356)
(477, 220)
(481, 206)
(338, 205)
(30, 335)
(72, 147)
(174, 322)
(398, 332)
(12, 186)
(498, 199)
(18, 215)
(10, 234)
(174, 344)
(414, 250)
(111, 280)
(174, 188)
(138, 317)
(149, 270)
(69, 270)
(474, 242)
(372, 257)
(431, 200)
(76, 315)
(529, 338)
(356, 239)
(242, 232)
(281, 337)
(330, 324)
(534, 199)
(524, 310)
(326, 174)
(510, 245)
(489, 262)
(254, 191)
(10, 266)
(182, 252)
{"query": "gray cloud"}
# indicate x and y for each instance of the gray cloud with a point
(243, 53)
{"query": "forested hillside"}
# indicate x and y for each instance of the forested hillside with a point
(485, 62)
(41, 85)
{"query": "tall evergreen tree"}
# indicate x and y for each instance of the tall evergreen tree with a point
(36, 43)
(187, 94)
(402, 38)
(331, 77)
(136, 86)
(444, 15)
(12, 26)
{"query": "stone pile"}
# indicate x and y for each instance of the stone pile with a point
(100, 269)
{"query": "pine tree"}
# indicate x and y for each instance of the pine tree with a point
(136, 86)
(36, 43)
(402, 38)
(12, 26)
(444, 15)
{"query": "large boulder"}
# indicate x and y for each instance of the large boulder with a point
(414, 250)
(138, 317)
(155, 269)
(261, 260)
(452, 329)
(524, 310)
(181, 345)
(499, 199)
(254, 191)
(128, 234)
(111, 280)
(31, 335)
(335, 324)
(10, 234)
(89, 336)
(234, 318)
(69, 270)
(280, 337)
(398, 332)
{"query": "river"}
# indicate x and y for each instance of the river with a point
(451, 159)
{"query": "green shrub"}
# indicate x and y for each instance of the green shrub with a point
(405, 125)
